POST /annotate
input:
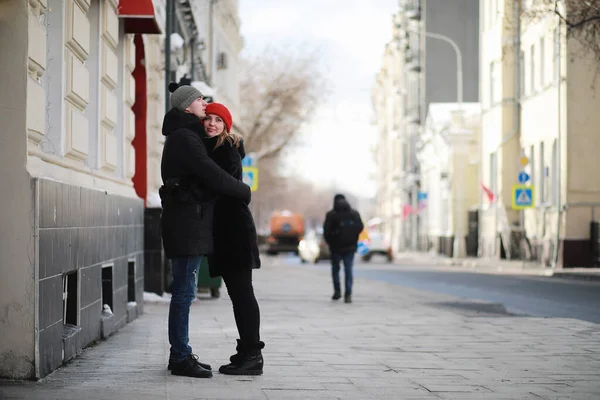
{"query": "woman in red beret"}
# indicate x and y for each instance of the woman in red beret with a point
(235, 244)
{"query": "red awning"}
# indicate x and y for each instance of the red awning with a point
(139, 16)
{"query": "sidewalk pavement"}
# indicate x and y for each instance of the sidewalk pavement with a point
(392, 343)
(493, 265)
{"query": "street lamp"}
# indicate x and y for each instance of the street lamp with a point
(459, 235)
(458, 245)
(459, 68)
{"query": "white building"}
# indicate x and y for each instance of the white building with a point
(221, 42)
(448, 154)
(391, 161)
(77, 89)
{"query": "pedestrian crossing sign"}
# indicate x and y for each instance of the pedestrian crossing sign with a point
(250, 177)
(522, 197)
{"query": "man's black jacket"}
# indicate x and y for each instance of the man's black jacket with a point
(192, 183)
(342, 227)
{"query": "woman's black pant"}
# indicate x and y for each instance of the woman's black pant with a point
(245, 306)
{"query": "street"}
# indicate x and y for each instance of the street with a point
(390, 344)
(518, 294)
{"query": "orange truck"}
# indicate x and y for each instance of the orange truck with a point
(287, 229)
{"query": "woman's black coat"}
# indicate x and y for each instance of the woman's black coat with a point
(192, 184)
(234, 232)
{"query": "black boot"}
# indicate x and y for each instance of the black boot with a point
(190, 366)
(347, 298)
(247, 361)
(238, 356)
(336, 296)
(205, 366)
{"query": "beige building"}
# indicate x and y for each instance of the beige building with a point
(541, 105)
(448, 154)
(500, 146)
(389, 108)
(79, 78)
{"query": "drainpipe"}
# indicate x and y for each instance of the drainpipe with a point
(422, 115)
(169, 29)
(516, 99)
(193, 57)
(559, 208)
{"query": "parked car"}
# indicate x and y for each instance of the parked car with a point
(377, 245)
(312, 247)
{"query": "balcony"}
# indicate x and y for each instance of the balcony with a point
(413, 10)
(412, 61)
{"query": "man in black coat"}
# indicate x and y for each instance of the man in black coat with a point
(192, 183)
(341, 230)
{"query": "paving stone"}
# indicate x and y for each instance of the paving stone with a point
(392, 342)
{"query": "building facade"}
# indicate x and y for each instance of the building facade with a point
(428, 36)
(73, 106)
(539, 105)
(448, 155)
(387, 104)
(219, 33)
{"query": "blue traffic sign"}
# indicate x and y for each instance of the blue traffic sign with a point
(249, 160)
(522, 197)
(523, 177)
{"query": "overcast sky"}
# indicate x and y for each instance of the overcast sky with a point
(351, 35)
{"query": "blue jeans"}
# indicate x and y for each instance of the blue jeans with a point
(348, 259)
(183, 292)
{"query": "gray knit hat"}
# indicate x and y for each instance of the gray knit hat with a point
(182, 96)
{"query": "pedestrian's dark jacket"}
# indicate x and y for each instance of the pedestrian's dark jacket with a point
(192, 183)
(236, 245)
(341, 227)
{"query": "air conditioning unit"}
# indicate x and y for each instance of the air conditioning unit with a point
(222, 61)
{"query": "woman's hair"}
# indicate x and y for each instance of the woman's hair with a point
(233, 138)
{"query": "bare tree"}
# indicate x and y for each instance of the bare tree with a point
(294, 194)
(581, 18)
(279, 91)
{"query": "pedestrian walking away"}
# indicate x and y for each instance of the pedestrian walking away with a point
(192, 182)
(236, 247)
(341, 229)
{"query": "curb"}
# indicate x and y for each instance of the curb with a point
(501, 266)
(577, 276)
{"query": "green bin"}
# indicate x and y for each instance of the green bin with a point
(206, 282)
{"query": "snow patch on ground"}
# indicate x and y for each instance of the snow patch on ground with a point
(154, 298)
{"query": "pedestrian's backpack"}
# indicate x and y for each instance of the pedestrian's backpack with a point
(348, 231)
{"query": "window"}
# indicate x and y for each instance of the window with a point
(522, 73)
(532, 164)
(542, 181)
(484, 12)
(70, 303)
(493, 12)
(532, 69)
(554, 173)
(493, 173)
(131, 281)
(556, 62)
(542, 63)
(493, 80)
(107, 286)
